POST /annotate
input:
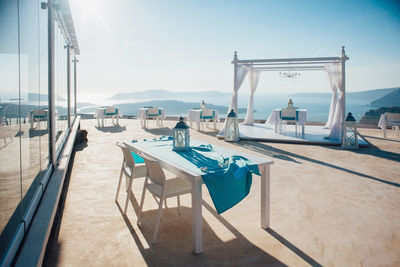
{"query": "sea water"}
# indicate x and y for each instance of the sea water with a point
(317, 105)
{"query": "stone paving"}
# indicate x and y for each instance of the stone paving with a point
(329, 207)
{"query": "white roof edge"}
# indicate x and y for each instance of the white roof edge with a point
(64, 12)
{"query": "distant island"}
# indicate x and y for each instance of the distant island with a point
(368, 95)
(165, 94)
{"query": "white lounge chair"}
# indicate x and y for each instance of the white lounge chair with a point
(131, 170)
(161, 189)
(207, 115)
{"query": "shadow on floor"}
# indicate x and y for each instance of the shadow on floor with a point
(111, 129)
(213, 133)
(80, 146)
(289, 156)
(159, 131)
(174, 243)
(53, 248)
(381, 138)
(292, 247)
(35, 133)
(374, 151)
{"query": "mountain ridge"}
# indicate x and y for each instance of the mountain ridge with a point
(391, 99)
(162, 93)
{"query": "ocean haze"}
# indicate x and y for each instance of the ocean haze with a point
(178, 103)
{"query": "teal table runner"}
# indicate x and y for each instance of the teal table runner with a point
(137, 158)
(228, 178)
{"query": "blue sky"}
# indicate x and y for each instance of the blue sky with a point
(131, 45)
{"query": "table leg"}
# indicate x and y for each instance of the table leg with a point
(198, 125)
(302, 129)
(197, 217)
(384, 130)
(265, 197)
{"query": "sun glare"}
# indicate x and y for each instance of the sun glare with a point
(87, 7)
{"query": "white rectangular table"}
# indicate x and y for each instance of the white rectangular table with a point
(38, 115)
(274, 118)
(185, 169)
(100, 115)
(194, 116)
(383, 124)
(143, 118)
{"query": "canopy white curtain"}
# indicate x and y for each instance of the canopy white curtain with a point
(331, 73)
(340, 104)
(241, 72)
(240, 75)
(254, 78)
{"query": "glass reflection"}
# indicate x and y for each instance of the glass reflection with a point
(33, 118)
(61, 96)
(24, 139)
(10, 183)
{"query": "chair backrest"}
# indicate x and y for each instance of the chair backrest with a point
(153, 112)
(393, 117)
(207, 114)
(128, 158)
(288, 114)
(110, 110)
(154, 170)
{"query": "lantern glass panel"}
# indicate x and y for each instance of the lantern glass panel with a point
(232, 129)
(181, 139)
(350, 138)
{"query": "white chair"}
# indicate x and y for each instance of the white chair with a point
(131, 171)
(207, 115)
(288, 116)
(154, 114)
(38, 115)
(161, 189)
(393, 120)
(111, 112)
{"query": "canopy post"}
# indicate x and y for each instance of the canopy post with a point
(234, 76)
(344, 58)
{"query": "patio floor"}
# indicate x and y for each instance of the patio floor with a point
(329, 207)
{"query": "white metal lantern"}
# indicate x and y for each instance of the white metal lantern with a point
(349, 137)
(232, 127)
(181, 136)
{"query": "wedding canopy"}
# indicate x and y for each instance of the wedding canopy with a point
(333, 66)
